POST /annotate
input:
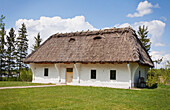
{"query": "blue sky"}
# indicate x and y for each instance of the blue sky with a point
(91, 14)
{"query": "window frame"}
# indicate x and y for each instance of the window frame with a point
(46, 75)
(91, 74)
(111, 78)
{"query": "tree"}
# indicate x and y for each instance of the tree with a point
(143, 36)
(168, 65)
(158, 61)
(38, 41)
(10, 51)
(2, 43)
(22, 47)
(2, 24)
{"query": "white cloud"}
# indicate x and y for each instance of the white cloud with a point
(155, 28)
(159, 44)
(158, 55)
(122, 25)
(48, 26)
(143, 8)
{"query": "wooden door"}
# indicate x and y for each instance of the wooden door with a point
(69, 75)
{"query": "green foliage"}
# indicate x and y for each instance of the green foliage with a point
(10, 51)
(159, 76)
(168, 65)
(143, 36)
(9, 79)
(38, 41)
(2, 45)
(152, 77)
(26, 75)
(22, 47)
(2, 24)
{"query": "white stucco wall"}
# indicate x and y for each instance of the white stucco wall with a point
(143, 73)
(38, 73)
(103, 75)
(83, 71)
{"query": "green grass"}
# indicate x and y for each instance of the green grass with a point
(75, 97)
(17, 83)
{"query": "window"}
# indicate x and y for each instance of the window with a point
(45, 71)
(69, 69)
(113, 74)
(72, 39)
(98, 37)
(93, 74)
(139, 73)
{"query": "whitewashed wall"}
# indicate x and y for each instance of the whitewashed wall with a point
(103, 75)
(123, 75)
(143, 73)
(38, 73)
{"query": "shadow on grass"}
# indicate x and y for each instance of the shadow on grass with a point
(154, 86)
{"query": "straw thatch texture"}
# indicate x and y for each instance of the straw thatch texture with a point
(102, 46)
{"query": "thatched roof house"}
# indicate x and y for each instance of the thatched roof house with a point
(103, 46)
(108, 46)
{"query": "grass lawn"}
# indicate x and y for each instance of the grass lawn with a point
(75, 97)
(17, 83)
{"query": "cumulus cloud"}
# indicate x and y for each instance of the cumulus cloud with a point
(155, 28)
(143, 8)
(159, 44)
(158, 55)
(51, 25)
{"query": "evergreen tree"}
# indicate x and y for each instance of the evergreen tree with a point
(2, 24)
(143, 36)
(2, 45)
(22, 47)
(38, 41)
(10, 51)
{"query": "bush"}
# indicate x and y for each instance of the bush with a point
(158, 76)
(152, 78)
(9, 79)
(26, 75)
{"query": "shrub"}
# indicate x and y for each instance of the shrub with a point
(152, 78)
(160, 76)
(26, 75)
(9, 79)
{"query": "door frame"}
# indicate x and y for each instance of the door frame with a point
(67, 73)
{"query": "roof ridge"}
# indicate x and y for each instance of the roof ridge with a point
(93, 32)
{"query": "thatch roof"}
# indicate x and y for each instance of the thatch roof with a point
(101, 46)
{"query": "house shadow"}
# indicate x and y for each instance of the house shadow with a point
(154, 86)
